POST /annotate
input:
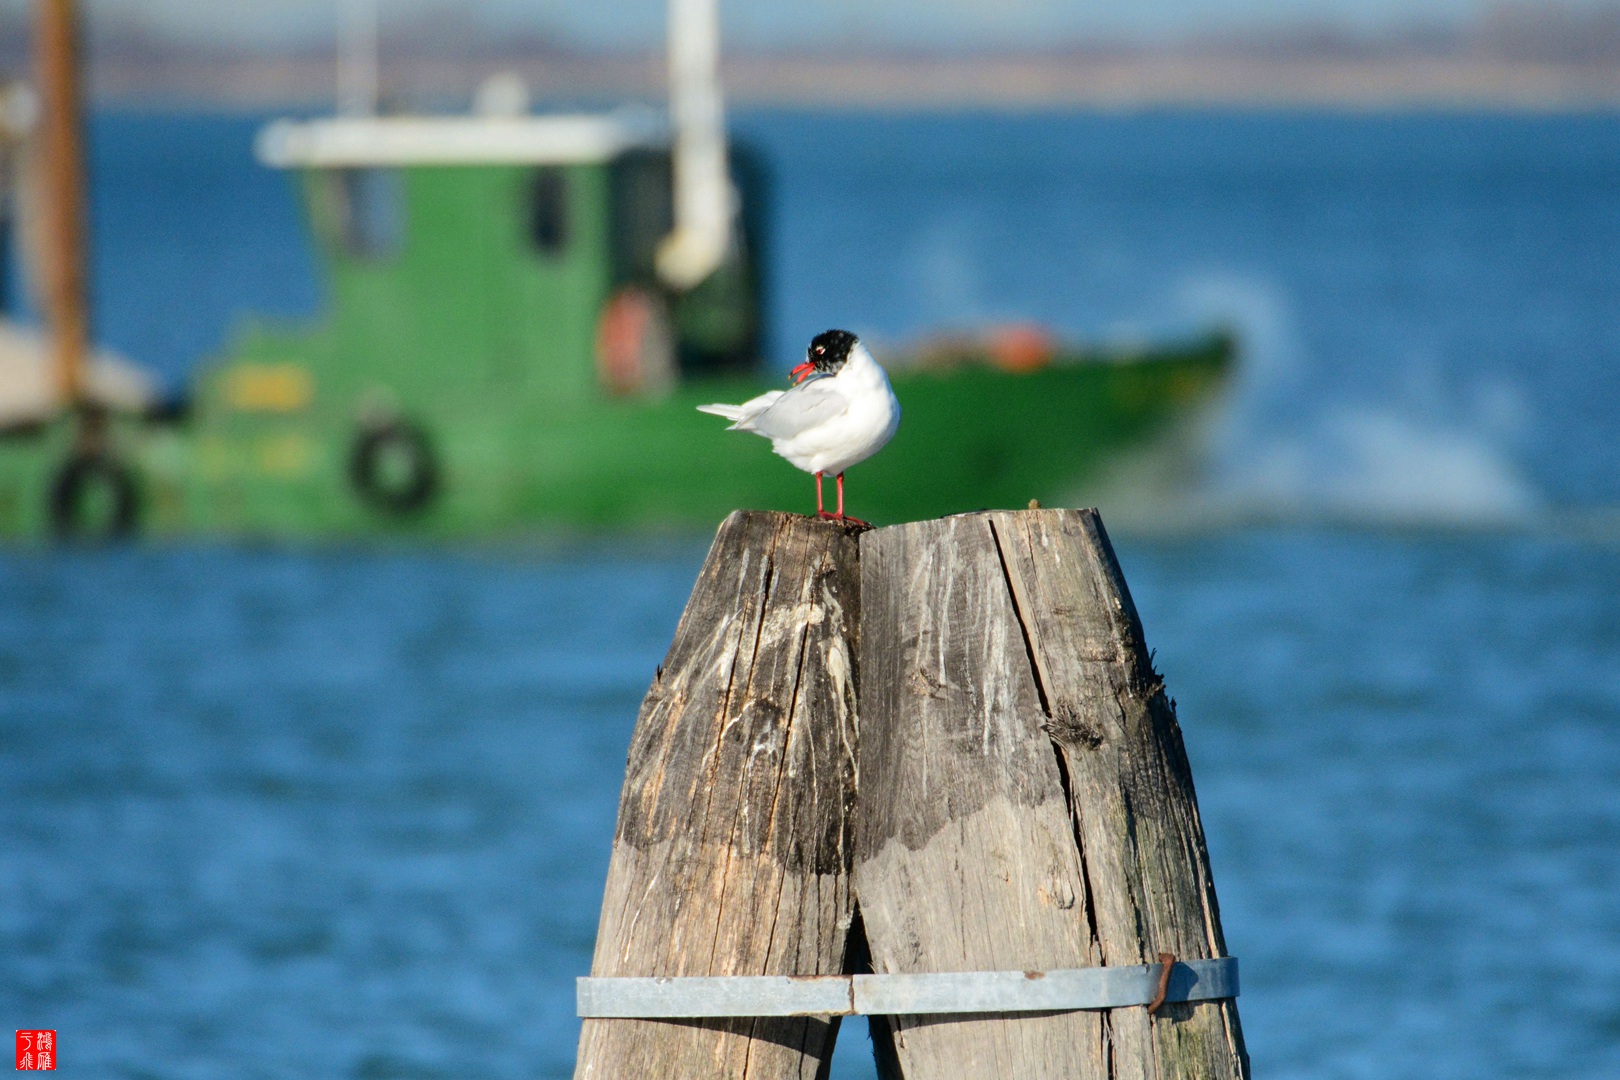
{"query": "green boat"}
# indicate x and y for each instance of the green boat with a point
(523, 313)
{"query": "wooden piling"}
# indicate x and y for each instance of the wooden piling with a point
(1024, 803)
(1025, 798)
(732, 851)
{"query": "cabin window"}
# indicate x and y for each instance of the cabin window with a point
(719, 325)
(548, 210)
(643, 212)
(369, 210)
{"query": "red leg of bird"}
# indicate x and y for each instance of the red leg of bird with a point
(840, 516)
(821, 510)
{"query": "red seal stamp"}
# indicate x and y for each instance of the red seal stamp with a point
(36, 1050)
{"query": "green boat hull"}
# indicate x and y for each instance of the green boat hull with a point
(498, 355)
(971, 436)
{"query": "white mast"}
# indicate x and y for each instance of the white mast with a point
(704, 201)
(357, 58)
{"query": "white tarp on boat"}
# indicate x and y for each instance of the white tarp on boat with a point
(28, 390)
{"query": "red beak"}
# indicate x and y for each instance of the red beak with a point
(802, 372)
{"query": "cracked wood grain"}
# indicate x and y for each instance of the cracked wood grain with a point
(1025, 797)
(1130, 786)
(731, 854)
(1025, 801)
(964, 854)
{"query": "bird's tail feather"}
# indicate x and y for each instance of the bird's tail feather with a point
(742, 415)
(730, 412)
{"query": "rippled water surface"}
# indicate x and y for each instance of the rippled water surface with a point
(346, 812)
(257, 803)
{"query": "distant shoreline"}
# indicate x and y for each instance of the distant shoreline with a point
(1106, 81)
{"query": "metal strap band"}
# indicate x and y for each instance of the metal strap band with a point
(899, 995)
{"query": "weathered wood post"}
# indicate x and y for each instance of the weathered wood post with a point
(732, 851)
(1024, 814)
(1025, 799)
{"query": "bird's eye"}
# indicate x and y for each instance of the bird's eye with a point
(820, 349)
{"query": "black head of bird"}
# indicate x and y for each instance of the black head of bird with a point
(827, 352)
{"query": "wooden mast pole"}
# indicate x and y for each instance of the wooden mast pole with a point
(67, 314)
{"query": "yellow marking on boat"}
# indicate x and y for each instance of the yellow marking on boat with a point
(284, 455)
(269, 387)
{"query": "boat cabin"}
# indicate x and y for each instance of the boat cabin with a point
(519, 253)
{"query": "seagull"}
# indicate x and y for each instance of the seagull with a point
(839, 412)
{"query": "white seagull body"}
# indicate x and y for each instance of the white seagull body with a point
(841, 413)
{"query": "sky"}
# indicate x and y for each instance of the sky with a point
(927, 23)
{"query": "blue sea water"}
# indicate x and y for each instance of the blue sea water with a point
(346, 812)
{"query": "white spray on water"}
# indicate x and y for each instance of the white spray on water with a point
(1280, 448)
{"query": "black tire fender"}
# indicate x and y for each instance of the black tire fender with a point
(79, 475)
(418, 482)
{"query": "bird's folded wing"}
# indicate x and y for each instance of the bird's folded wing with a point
(800, 409)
